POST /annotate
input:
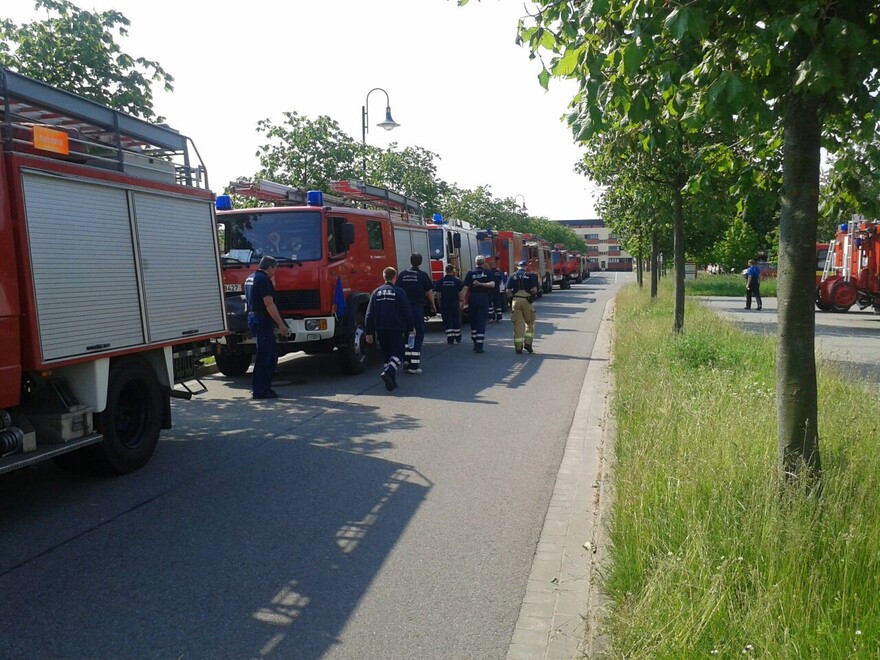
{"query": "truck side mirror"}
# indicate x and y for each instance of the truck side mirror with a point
(456, 240)
(348, 234)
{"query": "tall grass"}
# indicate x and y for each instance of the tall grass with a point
(726, 285)
(709, 559)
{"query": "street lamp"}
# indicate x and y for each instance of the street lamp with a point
(388, 124)
(523, 207)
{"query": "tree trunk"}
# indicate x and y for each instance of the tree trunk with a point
(655, 264)
(678, 249)
(796, 395)
(640, 278)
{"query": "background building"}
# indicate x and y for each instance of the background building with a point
(603, 250)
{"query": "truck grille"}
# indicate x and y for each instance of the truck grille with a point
(297, 301)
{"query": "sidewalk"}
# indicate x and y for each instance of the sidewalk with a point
(562, 603)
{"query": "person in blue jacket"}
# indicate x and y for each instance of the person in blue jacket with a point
(753, 284)
(262, 318)
(478, 287)
(522, 287)
(389, 319)
(420, 292)
(496, 306)
(449, 289)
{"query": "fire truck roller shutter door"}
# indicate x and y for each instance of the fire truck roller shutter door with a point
(80, 239)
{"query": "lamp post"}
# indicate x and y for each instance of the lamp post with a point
(389, 124)
(515, 205)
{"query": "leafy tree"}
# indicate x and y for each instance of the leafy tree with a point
(802, 70)
(307, 153)
(739, 244)
(411, 172)
(76, 50)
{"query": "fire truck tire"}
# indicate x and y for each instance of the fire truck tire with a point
(132, 420)
(843, 295)
(233, 365)
(355, 353)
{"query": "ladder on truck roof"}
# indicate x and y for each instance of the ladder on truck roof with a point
(276, 193)
(400, 207)
(409, 209)
(97, 135)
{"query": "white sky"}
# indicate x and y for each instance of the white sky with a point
(457, 83)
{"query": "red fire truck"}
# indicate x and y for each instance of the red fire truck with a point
(566, 266)
(851, 274)
(537, 252)
(331, 257)
(109, 279)
(453, 242)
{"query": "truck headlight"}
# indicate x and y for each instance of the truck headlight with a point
(313, 325)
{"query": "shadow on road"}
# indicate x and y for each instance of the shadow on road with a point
(268, 553)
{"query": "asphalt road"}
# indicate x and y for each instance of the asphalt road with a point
(849, 342)
(339, 522)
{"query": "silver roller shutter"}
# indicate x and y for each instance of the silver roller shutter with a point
(83, 269)
(178, 260)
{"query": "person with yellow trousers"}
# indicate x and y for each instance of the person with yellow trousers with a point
(522, 288)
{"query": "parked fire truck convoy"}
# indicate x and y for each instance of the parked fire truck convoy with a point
(96, 333)
(851, 272)
(101, 214)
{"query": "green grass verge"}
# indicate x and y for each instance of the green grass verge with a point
(708, 559)
(726, 285)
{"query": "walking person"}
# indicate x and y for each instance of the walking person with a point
(496, 306)
(420, 292)
(753, 284)
(389, 319)
(262, 319)
(449, 288)
(478, 288)
(522, 288)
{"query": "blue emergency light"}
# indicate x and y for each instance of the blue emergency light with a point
(438, 219)
(315, 198)
(224, 203)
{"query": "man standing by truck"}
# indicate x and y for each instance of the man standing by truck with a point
(419, 291)
(263, 317)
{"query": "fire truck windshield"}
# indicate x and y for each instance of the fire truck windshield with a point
(557, 258)
(292, 236)
(485, 247)
(435, 241)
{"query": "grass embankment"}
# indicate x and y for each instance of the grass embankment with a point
(726, 285)
(709, 559)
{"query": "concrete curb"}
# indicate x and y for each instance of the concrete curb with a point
(562, 609)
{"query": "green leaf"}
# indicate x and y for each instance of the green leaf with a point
(567, 64)
(632, 58)
(544, 78)
(677, 22)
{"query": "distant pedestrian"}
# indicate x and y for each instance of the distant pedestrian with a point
(753, 284)
(389, 319)
(449, 288)
(262, 318)
(478, 287)
(420, 292)
(522, 288)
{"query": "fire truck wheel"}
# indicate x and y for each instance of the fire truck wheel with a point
(132, 420)
(355, 353)
(233, 365)
(843, 295)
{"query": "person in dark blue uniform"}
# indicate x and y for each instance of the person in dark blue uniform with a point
(389, 319)
(262, 318)
(420, 291)
(478, 287)
(496, 306)
(449, 288)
